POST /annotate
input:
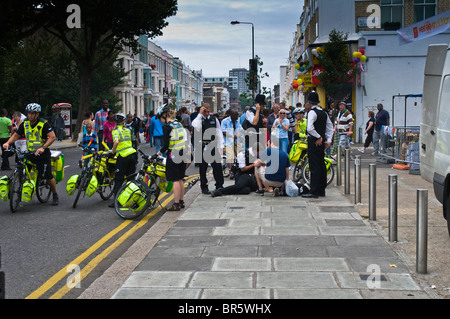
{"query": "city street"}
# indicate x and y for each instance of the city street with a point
(41, 244)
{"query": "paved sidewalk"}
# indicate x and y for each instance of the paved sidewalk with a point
(254, 247)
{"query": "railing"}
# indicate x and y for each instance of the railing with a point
(403, 147)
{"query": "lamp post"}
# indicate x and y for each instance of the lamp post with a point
(253, 47)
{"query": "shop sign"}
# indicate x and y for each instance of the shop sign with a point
(306, 81)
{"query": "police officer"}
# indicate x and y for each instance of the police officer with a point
(176, 144)
(209, 146)
(320, 133)
(245, 181)
(123, 149)
(39, 136)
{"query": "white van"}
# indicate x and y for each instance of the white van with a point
(435, 125)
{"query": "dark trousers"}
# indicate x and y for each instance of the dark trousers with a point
(217, 173)
(125, 166)
(243, 184)
(100, 139)
(5, 156)
(317, 168)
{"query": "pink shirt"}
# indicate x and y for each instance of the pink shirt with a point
(108, 127)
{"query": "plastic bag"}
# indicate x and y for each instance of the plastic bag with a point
(291, 188)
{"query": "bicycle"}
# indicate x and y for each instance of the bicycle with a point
(301, 169)
(135, 196)
(302, 146)
(96, 176)
(330, 171)
(24, 174)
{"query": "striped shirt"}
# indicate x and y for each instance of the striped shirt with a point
(343, 121)
(87, 139)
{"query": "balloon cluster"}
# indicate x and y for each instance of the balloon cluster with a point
(318, 52)
(359, 56)
(296, 84)
(302, 66)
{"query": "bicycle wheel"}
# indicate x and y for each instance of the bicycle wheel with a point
(297, 174)
(154, 191)
(133, 199)
(106, 186)
(307, 174)
(81, 187)
(43, 191)
(15, 193)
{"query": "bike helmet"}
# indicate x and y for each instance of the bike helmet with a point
(33, 107)
(299, 110)
(163, 109)
(119, 118)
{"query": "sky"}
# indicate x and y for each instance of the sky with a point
(200, 34)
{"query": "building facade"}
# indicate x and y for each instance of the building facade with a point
(392, 70)
(152, 74)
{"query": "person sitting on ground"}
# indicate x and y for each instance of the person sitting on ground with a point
(245, 181)
(273, 169)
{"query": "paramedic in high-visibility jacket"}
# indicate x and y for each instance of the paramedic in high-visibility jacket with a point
(39, 136)
(123, 149)
(176, 144)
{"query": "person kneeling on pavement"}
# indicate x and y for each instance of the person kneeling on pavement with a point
(245, 181)
(273, 170)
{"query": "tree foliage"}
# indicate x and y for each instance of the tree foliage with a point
(107, 26)
(336, 64)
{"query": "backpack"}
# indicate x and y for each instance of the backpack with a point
(5, 185)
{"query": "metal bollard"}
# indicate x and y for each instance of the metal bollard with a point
(372, 192)
(2, 279)
(357, 179)
(393, 208)
(347, 171)
(422, 231)
(339, 166)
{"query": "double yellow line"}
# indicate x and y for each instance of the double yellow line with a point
(60, 275)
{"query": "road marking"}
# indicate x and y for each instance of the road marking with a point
(94, 262)
(99, 258)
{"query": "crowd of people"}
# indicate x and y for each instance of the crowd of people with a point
(255, 144)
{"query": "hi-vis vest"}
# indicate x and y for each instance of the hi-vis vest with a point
(34, 135)
(177, 141)
(301, 127)
(125, 146)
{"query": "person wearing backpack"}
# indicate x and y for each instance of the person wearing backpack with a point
(176, 145)
(39, 136)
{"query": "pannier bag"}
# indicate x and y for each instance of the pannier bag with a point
(295, 152)
(58, 165)
(28, 190)
(132, 197)
(92, 187)
(5, 184)
(71, 184)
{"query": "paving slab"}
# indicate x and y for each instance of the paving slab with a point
(265, 247)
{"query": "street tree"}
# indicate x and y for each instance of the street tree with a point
(106, 27)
